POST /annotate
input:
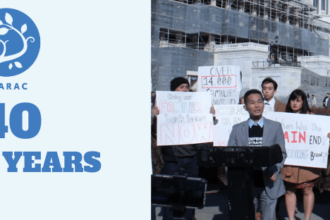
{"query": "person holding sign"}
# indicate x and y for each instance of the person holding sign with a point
(296, 177)
(269, 89)
(178, 158)
(259, 131)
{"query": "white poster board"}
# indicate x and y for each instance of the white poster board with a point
(305, 136)
(184, 118)
(223, 82)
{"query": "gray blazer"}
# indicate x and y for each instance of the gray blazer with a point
(272, 134)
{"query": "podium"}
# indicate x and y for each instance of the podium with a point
(241, 162)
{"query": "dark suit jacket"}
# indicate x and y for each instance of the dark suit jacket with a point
(328, 104)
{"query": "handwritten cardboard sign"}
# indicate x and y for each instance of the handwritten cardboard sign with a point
(184, 118)
(305, 136)
(223, 82)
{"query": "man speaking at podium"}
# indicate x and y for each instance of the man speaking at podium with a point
(259, 131)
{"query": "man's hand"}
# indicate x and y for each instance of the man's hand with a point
(155, 110)
(212, 110)
(274, 177)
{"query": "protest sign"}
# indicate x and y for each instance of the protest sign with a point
(305, 136)
(223, 82)
(184, 118)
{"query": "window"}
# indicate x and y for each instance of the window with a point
(323, 5)
(315, 3)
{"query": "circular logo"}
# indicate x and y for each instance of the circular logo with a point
(19, 42)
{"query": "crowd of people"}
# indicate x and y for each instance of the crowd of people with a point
(276, 181)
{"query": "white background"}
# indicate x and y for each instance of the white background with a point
(91, 82)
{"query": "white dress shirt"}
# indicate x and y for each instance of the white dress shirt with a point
(271, 103)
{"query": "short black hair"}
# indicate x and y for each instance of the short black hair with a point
(269, 80)
(295, 94)
(250, 92)
(328, 93)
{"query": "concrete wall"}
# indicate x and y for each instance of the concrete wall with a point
(242, 57)
(317, 64)
(287, 78)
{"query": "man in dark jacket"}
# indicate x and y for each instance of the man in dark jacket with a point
(324, 100)
(178, 157)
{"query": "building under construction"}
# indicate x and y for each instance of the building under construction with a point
(185, 33)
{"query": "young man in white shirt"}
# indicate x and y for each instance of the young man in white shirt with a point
(269, 89)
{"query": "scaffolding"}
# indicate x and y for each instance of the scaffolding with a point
(200, 25)
(292, 12)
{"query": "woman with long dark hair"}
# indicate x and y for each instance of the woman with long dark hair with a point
(298, 103)
(296, 177)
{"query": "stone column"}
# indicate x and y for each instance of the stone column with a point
(240, 7)
(296, 20)
(178, 38)
(266, 16)
(254, 11)
(211, 38)
(287, 19)
(214, 2)
(328, 7)
(319, 6)
(225, 39)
